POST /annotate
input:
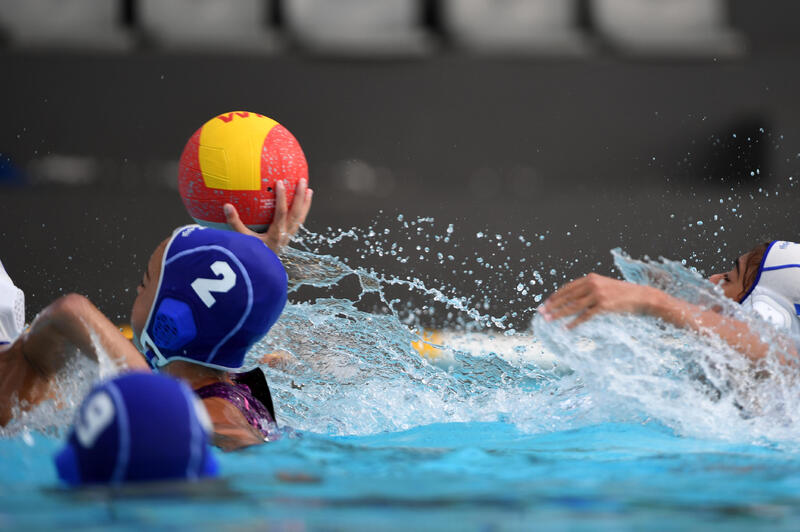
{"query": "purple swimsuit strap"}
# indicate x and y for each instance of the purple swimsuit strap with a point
(240, 396)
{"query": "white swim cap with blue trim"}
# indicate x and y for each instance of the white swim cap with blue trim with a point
(219, 292)
(12, 309)
(775, 294)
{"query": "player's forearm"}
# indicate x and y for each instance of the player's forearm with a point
(681, 313)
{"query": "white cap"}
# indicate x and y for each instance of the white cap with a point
(12, 308)
(775, 294)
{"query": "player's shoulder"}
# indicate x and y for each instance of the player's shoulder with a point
(231, 429)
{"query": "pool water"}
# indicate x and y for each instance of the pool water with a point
(444, 476)
(624, 424)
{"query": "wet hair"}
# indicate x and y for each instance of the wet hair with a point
(751, 265)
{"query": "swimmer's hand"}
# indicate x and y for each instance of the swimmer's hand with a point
(286, 222)
(595, 294)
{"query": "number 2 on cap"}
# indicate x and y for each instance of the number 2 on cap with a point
(204, 287)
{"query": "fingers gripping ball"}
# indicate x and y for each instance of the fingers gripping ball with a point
(239, 158)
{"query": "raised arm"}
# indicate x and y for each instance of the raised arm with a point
(286, 222)
(72, 324)
(594, 294)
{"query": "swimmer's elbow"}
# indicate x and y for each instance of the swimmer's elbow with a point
(68, 307)
(63, 317)
(72, 301)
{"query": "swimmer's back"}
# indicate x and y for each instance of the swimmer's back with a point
(245, 407)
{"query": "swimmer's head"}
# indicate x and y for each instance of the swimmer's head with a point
(736, 282)
(119, 434)
(207, 296)
(766, 280)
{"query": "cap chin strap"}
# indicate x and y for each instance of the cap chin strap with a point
(148, 348)
(150, 351)
(67, 466)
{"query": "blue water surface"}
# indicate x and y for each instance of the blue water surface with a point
(445, 476)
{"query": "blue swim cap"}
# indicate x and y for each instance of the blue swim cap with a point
(138, 427)
(219, 293)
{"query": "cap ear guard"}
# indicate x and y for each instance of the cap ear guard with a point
(173, 324)
(173, 327)
(12, 308)
(210, 466)
(775, 293)
(67, 466)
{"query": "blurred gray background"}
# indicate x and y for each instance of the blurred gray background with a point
(591, 123)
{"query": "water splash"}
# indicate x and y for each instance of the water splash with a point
(351, 372)
(637, 366)
(70, 386)
(338, 367)
(53, 416)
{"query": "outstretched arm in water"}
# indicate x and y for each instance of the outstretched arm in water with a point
(594, 294)
(68, 326)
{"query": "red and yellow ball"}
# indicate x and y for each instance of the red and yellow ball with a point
(238, 158)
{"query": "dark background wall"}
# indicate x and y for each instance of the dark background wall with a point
(613, 151)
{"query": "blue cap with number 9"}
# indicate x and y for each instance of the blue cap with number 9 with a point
(219, 292)
(135, 428)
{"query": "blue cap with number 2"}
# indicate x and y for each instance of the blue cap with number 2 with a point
(119, 434)
(219, 292)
